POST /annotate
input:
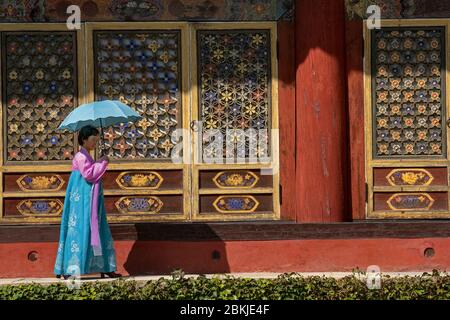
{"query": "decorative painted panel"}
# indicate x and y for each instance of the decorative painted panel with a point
(234, 78)
(139, 180)
(147, 10)
(235, 179)
(399, 9)
(40, 89)
(410, 177)
(40, 207)
(400, 177)
(139, 205)
(236, 204)
(408, 96)
(410, 201)
(142, 69)
(411, 204)
(49, 182)
(22, 10)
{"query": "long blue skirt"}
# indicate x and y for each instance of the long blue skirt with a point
(75, 254)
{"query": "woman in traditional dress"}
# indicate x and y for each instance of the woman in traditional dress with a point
(85, 242)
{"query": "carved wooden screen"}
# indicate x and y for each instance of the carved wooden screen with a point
(143, 65)
(407, 153)
(40, 86)
(235, 172)
(180, 77)
(147, 66)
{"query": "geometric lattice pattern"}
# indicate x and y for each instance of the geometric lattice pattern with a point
(40, 90)
(142, 69)
(408, 82)
(234, 80)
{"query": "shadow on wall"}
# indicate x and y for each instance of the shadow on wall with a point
(163, 249)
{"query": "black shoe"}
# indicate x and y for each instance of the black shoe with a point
(110, 275)
(65, 276)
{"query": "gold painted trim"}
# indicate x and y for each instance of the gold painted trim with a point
(236, 211)
(216, 191)
(106, 192)
(404, 163)
(437, 214)
(410, 189)
(145, 174)
(426, 195)
(371, 163)
(390, 174)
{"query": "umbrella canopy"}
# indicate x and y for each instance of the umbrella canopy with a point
(99, 114)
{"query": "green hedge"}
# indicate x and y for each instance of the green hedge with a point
(286, 286)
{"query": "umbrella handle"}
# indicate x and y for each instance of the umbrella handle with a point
(102, 149)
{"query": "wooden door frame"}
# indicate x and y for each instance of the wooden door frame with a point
(370, 162)
(274, 165)
(86, 94)
(45, 166)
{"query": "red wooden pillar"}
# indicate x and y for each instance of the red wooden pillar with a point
(321, 114)
(286, 111)
(355, 93)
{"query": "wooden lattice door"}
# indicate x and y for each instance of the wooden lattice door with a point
(184, 79)
(41, 84)
(235, 105)
(145, 66)
(406, 113)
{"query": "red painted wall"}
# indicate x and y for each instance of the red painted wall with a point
(158, 257)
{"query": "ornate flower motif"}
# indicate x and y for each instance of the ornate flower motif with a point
(13, 75)
(74, 248)
(54, 140)
(257, 39)
(40, 127)
(66, 74)
(13, 128)
(408, 89)
(167, 145)
(39, 74)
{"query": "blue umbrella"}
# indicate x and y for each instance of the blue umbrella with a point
(99, 114)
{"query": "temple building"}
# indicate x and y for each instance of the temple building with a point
(338, 132)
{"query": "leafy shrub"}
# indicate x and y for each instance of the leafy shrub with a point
(290, 286)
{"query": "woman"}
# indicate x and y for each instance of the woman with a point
(85, 242)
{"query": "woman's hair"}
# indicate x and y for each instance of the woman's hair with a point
(85, 133)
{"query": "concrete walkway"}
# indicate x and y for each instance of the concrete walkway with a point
(93, 278)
